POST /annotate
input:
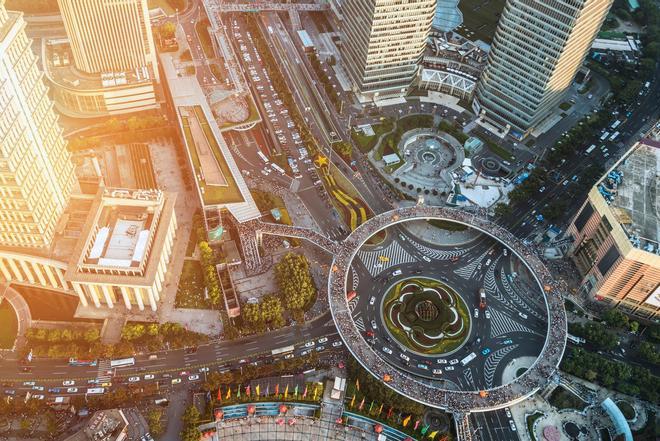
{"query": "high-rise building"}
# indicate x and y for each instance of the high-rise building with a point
(383, 42)
(616, 233)
(36, 173)
(538, 49)
(109, 35)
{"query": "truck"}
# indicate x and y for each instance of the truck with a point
(590, 149)
(614, 136)
(482, 298)
(604, 136)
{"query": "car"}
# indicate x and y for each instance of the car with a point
(193, 377)
(441, 361)
(72, 390)
(373, 324)
(133, 379)
(10, 392)
(372, 300)
(106, 384)
(37, 397)
(565, 183)
(449, 368)
(437, 371)
(29, 383)
(404, 357)
(512, 425)
(522, 315)
(310, 344)
(183, 373)
(476, 312)
(508, 341)
(323, 339)
(303, 353)
(423, 366)
(149, 377)
(320, 348)
(402, 237)
(289, 356)
(54, 390)
(454, 361)
(204, 369)
(591, 95)
(254, 363)
(542, 189)
(243, 360)
(336, 344)
(176, 380)
(68, 383)
(396, 273)
(487, 313)
(508, 412)
(39, 388)
(26, 369)
(426, 258)
(387, 350)
(505, 252)
(166, 375)
(485, 351)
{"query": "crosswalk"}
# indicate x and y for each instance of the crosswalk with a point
(359, 323)
(102, 375)
(467, 373)
(353, 303)
(492, 361)
(467, 270)
(355, 278)
(394, 255)
(513, 295)
(435, 253)
(501, 324)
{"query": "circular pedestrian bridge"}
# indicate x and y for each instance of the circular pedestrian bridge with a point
(433, 301)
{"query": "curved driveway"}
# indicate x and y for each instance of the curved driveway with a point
(424, 390)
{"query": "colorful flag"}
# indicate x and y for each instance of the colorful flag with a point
(247, 390)
(277, 389)
(389, 412)
(316, 389)
(361, 404)
(257, 388)
(371, 406)
(228, 393)
(353, 401)
(268, 389)
(425, 429)
(406, 420)
(381, 409)
(295, 391)
(357, 384)
(286, 391)
(417, 424)
(219, 394)
(305, 393)
(433, 434)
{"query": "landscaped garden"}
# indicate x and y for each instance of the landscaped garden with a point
(563, 399)
(190, 293)
(9, 326)
(531, 419)
(426, 316)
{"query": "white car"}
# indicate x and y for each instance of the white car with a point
(72, 390)
(476, 312)
(404, 357)
(453, 362)
(289, 356)
(39, 388)
(512, 425)
(337, 344)
(522, 316)
(505, 252)
(68, 383)
(508, 412)
(176, 380)
(37, 397)
(29, 383)
(310, 344)
(320, 348)
(387, 350)
(373, 324)
(441, 361)
(303, 353)
(323, 340)
(193, 377)
(372, 300)
(437, 371)
(203, 369)
(149, 377)
(487, 313)
(133, 379)
(449, 368)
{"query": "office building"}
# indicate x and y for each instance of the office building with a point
(616, 234)
(36, 174)
(108, 63)
(383, 42)
(537, 51)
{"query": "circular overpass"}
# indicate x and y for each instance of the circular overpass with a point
(422, 389)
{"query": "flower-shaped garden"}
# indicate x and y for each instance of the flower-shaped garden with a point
(426, 316)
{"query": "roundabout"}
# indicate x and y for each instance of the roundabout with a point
(441, 322)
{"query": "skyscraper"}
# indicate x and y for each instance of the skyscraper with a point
(538, 49)
(110, 35)
(383, 41)
(36, 173)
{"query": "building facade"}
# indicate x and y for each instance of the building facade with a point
(537, 51)
(110, 35)
(383, 42)
(615, 234)
(36, 173)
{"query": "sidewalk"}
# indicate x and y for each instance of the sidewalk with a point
(439, 236)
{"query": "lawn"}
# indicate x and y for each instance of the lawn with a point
(498, 150)
(190, 293)
(9, 326)
(530, 424)
(201, 27)
(447, 225)
(366, 143)
(480, 17)
(563, 399)
(565, 106)
(390, 142)
(626, 409)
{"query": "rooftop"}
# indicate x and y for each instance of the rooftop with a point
(631, 187)
(105, 425)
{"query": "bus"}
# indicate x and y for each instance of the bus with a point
(262, 156)
(95, 391)
(576, 340)
(590, 149)
(77, 362)
(284, 350)
(614, 136)
(468, 359)
(482, 298)
(122, 362)
(278, 168)
(615, 124)
(604, 136)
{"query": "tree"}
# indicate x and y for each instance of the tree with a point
(167, 30)
(343, 148)
(295, 282)
(502, 209)
(633, 326)
(615, 318)
(649, 352)
(154, 420)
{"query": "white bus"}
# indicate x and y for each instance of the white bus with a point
(122, 362)
(95, 390)
(278, 168)
(614, 136)
(468, 359)
(576, 340)
(590, 149)
(262, 156)
(284, 350)
(604, 136)
(615, 124)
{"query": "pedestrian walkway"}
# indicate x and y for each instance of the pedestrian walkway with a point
(438, 236)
